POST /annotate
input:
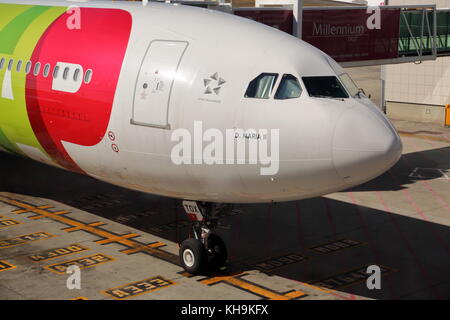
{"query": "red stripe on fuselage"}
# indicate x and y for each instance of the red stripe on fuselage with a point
(82, 117)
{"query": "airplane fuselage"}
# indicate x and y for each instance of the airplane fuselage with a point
(105, 88)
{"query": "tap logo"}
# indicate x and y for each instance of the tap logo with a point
(213, 84)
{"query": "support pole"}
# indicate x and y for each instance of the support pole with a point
(298, 18)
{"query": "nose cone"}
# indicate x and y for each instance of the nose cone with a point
(365, 145)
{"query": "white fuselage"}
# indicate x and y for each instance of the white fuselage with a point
(325, 144)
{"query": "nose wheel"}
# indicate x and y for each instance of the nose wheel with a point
(206, 251)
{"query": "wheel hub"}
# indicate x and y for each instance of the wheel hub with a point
(188, 258)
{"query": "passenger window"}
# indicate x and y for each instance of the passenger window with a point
(28, 67)
(88, 76)
(37, 68)
(261, 87)
(289, 88)
(2, 63)
(66, 73)
(10, 64)
(55, 72)
(46, 70)
(19, 65)
(76, 75)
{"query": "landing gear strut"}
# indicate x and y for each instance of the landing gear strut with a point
(206, 251)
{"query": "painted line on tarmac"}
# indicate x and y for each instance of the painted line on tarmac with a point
(57, 252)
(24, 239)
(138, 287)
(133, 246)
(8, 223)
(236, 280)
(82, 263)
(6, 266)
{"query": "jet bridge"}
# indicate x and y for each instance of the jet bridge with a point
(363, 36)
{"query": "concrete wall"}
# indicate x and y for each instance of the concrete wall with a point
(415, 112)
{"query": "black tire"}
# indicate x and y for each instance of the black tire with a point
(218, 252)
(193, 256)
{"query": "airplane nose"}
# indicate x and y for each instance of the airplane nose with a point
(365, 145)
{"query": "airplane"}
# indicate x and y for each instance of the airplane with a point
(115, 90)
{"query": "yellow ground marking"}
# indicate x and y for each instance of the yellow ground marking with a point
(117, 238)
(77, 225)
(237, 281)
(80, 298)
(93, 262)
(93, 224)
(9, 223)
(419, 136)
(152, 249)
(56, 253)
(151, 245)
(27, 210)
(25, 241)
(41, 216)
(6, 266)
(137, 288)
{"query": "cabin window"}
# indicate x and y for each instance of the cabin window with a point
(66, 73)
(348, 83)
(2, 63)
(324, 87)
(261, 87)
(46, 70)
(37, 68)
(76, 75)
(55, 72)
(28, 67)
(289, 88)
(88, 76)
(19, 66)
(10, 64)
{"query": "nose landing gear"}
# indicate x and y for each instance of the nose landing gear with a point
(206, 251)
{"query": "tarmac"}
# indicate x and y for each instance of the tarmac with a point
(125, 242)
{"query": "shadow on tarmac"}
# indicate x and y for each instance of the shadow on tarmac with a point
(294, 240)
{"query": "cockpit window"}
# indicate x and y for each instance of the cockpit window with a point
(348, 83)
(261, 87)
(324, 87)
(289, 88)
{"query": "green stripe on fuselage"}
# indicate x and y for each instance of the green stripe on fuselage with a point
(22, 26)
(13, 31)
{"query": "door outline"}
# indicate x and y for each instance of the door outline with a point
(167, 126)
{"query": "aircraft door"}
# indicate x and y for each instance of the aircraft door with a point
(155, 81)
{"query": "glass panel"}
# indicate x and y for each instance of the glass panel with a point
(66, 73)
(76, 75)
(261, 87)
(324, 87)
(289, 88)
(348, 83)
(28, 67)
(46, 70)
(88, 76)
(37, 68)
(19, 65)
(55, 72)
